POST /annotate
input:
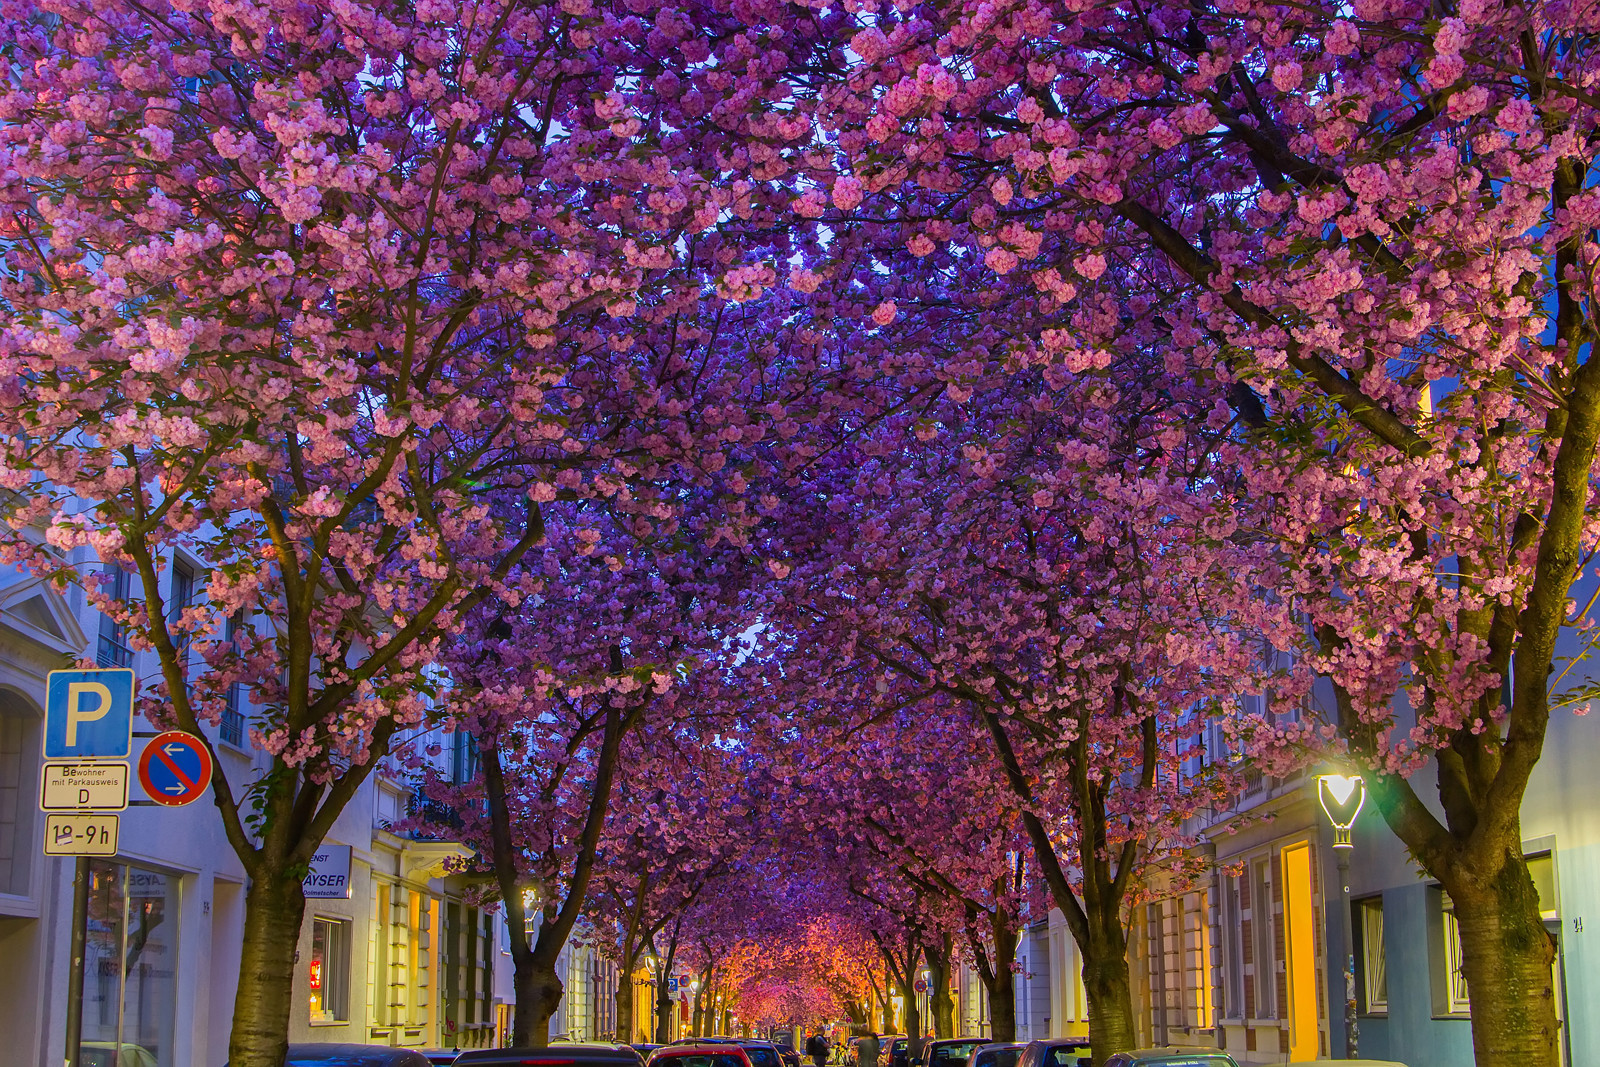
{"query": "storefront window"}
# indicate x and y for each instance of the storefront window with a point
(330, 970)
(130, 967)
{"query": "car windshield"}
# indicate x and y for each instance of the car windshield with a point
(1069, 1055)
(763, 1057)
(952, 1053)
(701, 1059)
(1000, 1057)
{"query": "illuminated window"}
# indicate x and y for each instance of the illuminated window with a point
(1455, 982)
(329, 970)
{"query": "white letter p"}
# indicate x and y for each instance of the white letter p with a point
(75, 691)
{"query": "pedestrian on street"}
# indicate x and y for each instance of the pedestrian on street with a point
(867, 1051)
(817, 1049)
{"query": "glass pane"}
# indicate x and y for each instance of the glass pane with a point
(16, 803)
(130, 967)
(317, 968)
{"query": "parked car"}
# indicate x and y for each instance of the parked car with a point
(334, 1054)
(585, 1054)
(702, 1054)
(897, 1052)
(1056, 1052)
(996, 1054)
(441, 1057)
(104, 1054)
(762, 1053)
(947, 1052)
(1353, 1063)
(1175, 1057)
(790, 1054)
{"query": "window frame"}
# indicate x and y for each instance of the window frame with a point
(1263, 931)
(1457, 998)
(230, 729)
(334, 978)
(111, 646)
(1365, 908)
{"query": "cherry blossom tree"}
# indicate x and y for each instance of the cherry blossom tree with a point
(298, 288)
(1056, 559)
(1368, 227)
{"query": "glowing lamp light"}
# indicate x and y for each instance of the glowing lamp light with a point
(1341, 797)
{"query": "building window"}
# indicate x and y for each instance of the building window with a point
(113, 650)
(464, 761)
(130, 966)
(183, 594)
(19, 746)
(1233, 940)
(1455, 983)
(233, 711)
(1374, 963)
(1180, 964)
(1264, 950)
(329, 970)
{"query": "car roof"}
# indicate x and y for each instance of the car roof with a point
(349, 1054)
(722, 1048)
(1178, 1056)
(554, 1056)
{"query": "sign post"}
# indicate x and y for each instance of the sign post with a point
(88, 727)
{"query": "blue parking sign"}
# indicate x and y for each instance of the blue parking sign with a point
(88, 714)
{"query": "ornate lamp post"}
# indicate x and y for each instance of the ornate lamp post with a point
(1341, 797)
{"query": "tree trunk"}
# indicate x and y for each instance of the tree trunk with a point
(274, 908)
(1109, 992)
(625, 1005)
(908, 997)
(539, 992)
(664, 1004)
(1003, 1003)
(1507, 957)
(941, 1005)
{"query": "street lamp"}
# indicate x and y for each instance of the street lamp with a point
(1341, 797)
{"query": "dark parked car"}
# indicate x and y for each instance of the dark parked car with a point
(588, 1054)
(948, 1052)
(704, 1054)
(322, 1054)
(1172, 1057)
(897, 1052)
(441, 1057)
(996, 1054)
(790, 1054)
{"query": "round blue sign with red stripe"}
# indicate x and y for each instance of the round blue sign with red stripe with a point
(175, 768)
